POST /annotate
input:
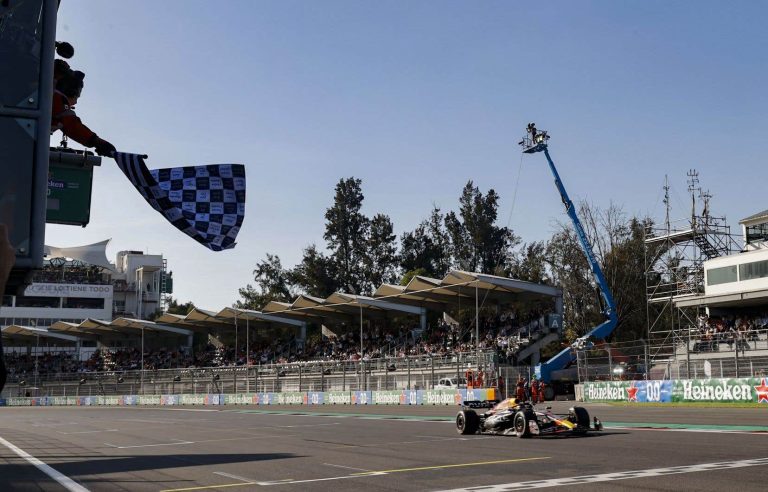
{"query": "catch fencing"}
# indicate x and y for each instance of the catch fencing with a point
(404, 373)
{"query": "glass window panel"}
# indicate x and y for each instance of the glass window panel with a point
(723, 275)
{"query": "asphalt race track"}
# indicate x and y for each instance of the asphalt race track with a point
(372, 447)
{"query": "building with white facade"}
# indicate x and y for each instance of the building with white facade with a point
(80, 283)
(739, 280)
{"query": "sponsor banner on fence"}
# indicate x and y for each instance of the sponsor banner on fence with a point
(410, 397)
(264, 398)
(481, 394)
(315, 398)
(361, 398)
(2, 402)
(629, 391)
(722, 390)
(338, 398)
(240, 399)
(440, 397)
(149, 399)
(289, 398)
(387, 397)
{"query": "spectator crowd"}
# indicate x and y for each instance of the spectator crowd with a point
(739, 331)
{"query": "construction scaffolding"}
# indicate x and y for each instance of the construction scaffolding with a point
(675, 252)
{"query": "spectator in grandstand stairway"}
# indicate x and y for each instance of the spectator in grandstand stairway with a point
(7, 259)
(67, 90)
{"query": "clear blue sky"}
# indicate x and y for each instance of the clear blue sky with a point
(414, 98)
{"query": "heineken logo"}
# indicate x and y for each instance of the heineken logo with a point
(716, 391)
(595, 392)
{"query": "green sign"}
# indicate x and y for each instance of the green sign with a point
(69, 194)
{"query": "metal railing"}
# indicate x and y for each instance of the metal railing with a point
(723, 355)
(414, 372)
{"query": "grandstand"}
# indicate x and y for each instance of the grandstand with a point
(463, 321)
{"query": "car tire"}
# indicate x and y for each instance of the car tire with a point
(580, 417)
(521, 426)
(467, 422)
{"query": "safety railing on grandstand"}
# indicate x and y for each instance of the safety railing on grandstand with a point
(415, 372)
(724, 355)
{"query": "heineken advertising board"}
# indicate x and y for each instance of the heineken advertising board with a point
(746, 390)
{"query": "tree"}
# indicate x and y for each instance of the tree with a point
(427, 247)
(273, 282)
(316, 274)
(380, 258)
(345, 233)
(174, 307)
(618, 244)
(530, 263)
(477, 244)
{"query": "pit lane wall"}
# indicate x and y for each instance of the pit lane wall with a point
(735, 390)
(405, 397)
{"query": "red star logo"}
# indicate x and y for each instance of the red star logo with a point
(762, 392)
(632, 392)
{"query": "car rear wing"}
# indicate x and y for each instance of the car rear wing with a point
(480, 403)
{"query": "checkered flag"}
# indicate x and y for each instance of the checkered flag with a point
(205, 202)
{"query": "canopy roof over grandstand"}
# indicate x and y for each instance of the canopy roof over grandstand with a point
(121, 326)
(92, 254)
(28, 332)
(458, 288)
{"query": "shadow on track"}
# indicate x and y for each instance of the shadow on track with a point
(92, 465)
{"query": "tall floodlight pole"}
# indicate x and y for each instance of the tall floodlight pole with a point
(477, 328)
(247, 355)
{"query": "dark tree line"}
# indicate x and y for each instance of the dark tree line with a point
(360, 253)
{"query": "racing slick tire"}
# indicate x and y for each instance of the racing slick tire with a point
(467, 422)
(520, 423)
(580, 417)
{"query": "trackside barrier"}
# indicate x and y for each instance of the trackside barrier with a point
(405, 397)
(741, 390)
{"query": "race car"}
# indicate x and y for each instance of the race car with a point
(522, 419)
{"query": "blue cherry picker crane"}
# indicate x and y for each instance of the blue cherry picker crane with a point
(536, 141)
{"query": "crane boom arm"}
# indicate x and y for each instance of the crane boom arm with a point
(565, 357)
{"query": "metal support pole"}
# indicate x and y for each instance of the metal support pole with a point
(300, 375)
(408, 364)
(142, 360)
(432, 370)
(737, 356)
(343, 376)
(322, 377)
(247, 356)
(235, 337)
(477, 329)
(458, 369)
(688, 355)
(610, 360)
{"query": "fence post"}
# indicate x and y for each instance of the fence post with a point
(300, 374)
(322, 377)
(343, 376)
(408, 363)
(737, 357)
(458, 377)
(432, 371)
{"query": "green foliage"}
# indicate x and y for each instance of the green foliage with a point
(273, 284)
(427, 247)
(477, 244)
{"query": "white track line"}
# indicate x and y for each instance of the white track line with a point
(64, 480)
(347, 467)
(609, 477)
(235, 477)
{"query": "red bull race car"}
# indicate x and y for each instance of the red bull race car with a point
(510, 417)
